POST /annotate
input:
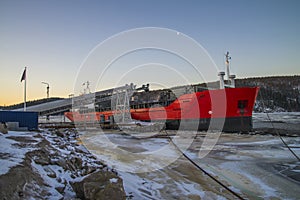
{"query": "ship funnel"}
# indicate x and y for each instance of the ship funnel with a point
(222, 74)
(232, 82)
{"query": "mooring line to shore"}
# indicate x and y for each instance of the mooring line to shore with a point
(277, 132)
(285, 144)
(202, 169)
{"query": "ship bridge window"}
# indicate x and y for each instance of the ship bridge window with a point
(242, 104)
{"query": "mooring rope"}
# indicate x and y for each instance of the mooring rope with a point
(277, 132)
(202, 169)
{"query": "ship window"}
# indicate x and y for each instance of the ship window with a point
(242, 104)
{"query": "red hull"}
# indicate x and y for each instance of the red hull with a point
(209, 104)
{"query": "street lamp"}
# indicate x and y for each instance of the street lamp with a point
(47, 88)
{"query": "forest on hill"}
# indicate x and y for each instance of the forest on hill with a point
(277, 93)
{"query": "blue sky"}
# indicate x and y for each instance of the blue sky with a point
(53, 38)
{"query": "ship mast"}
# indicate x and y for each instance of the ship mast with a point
(230, 77)
(227, 64)
(87, 89)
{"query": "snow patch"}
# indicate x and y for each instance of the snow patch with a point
(113, 180)
(12, 152)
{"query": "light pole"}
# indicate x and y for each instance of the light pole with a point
(47, 88)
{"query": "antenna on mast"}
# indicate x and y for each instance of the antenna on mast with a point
(227, 64)
(87, 89)
(230, 77)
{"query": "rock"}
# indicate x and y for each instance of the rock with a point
(58, 179)
(42, 161)
(81, 149)
(99, 186)
(60, 134)
(88, 169)
(60, 189)
(3, 128)
(60, 162)
(57, 156)
(41, 156)
(56, 140)
(72, 176)
(77, 162)
(21, 194)
(50, 172)
(62, 146)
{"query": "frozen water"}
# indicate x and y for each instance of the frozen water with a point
(246, 163)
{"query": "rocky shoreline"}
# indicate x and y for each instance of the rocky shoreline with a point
(56, 166)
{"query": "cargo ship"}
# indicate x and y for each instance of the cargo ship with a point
(187, 107)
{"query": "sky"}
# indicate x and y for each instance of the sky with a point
(54, 39)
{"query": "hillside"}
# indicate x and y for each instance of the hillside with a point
(277, 94)
(29, 103)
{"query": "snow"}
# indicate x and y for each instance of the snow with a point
(239, 170)
(48, 105)
(285, 117)
(136, 186)
(143, 165)
(139, 156)
(248, 164)
(12, 153)
(56, 176)
(243, 162)
(53, 119)
(113, 180)
(52, 183)
(150, 167)
(189, 188)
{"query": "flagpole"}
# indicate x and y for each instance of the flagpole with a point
(25, 90)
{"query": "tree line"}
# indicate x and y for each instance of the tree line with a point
(280, 93)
